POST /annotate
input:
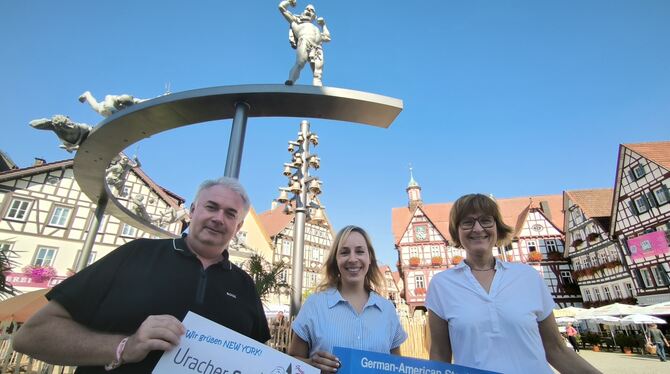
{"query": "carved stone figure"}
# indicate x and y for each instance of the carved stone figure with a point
(72, 134)
(117, 172)
(307, 39)
(137, 207)
(171, 215)
(111, 104)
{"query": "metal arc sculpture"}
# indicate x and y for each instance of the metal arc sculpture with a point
(128, 126)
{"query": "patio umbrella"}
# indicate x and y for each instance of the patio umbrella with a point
(641, 319)
(657, 309)
(20, 308)
(565, 320)
(570, 311)
(617, 309)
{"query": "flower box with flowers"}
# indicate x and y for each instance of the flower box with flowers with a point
(419, 291)
(39, 274)
(436, 261)
(612, 264)
(592, 236)
(534, 256)
(414, 261)
(577, 242)
(456, 260)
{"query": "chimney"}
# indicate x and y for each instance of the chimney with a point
(544, 205)
(39, 161)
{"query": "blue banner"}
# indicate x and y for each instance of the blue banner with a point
(355, 361)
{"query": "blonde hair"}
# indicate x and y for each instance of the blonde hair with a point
(477, 203)
(374, 281)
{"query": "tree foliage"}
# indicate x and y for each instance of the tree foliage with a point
(266, 276)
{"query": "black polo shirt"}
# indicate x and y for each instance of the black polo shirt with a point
(151, 277)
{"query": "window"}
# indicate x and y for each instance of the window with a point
(640, 204)
(60, 216)
(660, 276)
(419, 282)
(283, 276)
(587, 295)
(45, 256)
(606, 292)
(286, 247)
(629, 289)
(639, 171)
(18, 209)
(596, 294)
(566, 276)
(128, 231)
(242, 237)
(91, 258)
(617, 292)
(435, 251)
(413, 252)
(661, 195)
(5, 246)
(532, 246)
(646, 278)
(551, 245)
(576, 216)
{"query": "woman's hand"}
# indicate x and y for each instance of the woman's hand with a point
(325, 361)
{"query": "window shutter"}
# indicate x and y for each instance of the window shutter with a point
(638, 276)
(650, 200)
(633, 208)
(663, 275)
(631, 174)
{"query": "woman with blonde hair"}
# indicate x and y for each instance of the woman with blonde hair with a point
(347, 310)
(489, 314)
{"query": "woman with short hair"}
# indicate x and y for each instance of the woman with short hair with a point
(490, 314)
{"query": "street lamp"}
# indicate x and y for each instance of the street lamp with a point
(304, 203)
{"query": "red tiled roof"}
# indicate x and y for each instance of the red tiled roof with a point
(513, 211)
(658, 152)
(594, 203)
(275, 220)
(35, 169)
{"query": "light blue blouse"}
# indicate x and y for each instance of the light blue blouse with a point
(327, 320)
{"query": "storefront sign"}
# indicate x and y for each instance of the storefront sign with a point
(648, 245)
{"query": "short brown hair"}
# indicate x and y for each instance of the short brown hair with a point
(373, 279)
(474, 203)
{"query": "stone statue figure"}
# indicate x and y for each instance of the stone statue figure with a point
(306, 38)
(137, 207)
(117, 172)
(172, 215)
(111, 104)
(72, 134)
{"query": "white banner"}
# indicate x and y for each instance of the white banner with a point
(209, 348)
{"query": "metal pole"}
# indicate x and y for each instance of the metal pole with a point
(299, 226)
(92, 233)
(236, 143)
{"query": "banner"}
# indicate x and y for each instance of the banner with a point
(648, 245)
(209, 348)
(355, 361)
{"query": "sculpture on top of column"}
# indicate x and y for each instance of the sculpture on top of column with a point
(111, 104)
(72, 134)
(307, 39)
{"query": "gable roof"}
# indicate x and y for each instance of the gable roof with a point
(594, 203)
(274, 220)
(513, 210)
(658, 152)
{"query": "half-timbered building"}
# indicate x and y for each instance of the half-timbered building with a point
(45, 219)
(641, 217)
(421, 236)
(597, 260)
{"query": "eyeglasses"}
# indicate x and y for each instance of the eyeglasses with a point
(485, 222)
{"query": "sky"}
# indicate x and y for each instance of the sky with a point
(513, 98)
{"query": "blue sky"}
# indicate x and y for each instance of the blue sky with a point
(512, 98)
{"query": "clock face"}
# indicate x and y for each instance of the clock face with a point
(420, 232)
(537, 227)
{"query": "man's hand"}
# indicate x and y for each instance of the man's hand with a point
(321, 21)
(156, 333)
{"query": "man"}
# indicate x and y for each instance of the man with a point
(123, 311)
(306, 39)
(656, 337)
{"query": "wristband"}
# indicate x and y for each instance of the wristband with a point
(119, 352)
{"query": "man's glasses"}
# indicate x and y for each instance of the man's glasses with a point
(484, 221)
